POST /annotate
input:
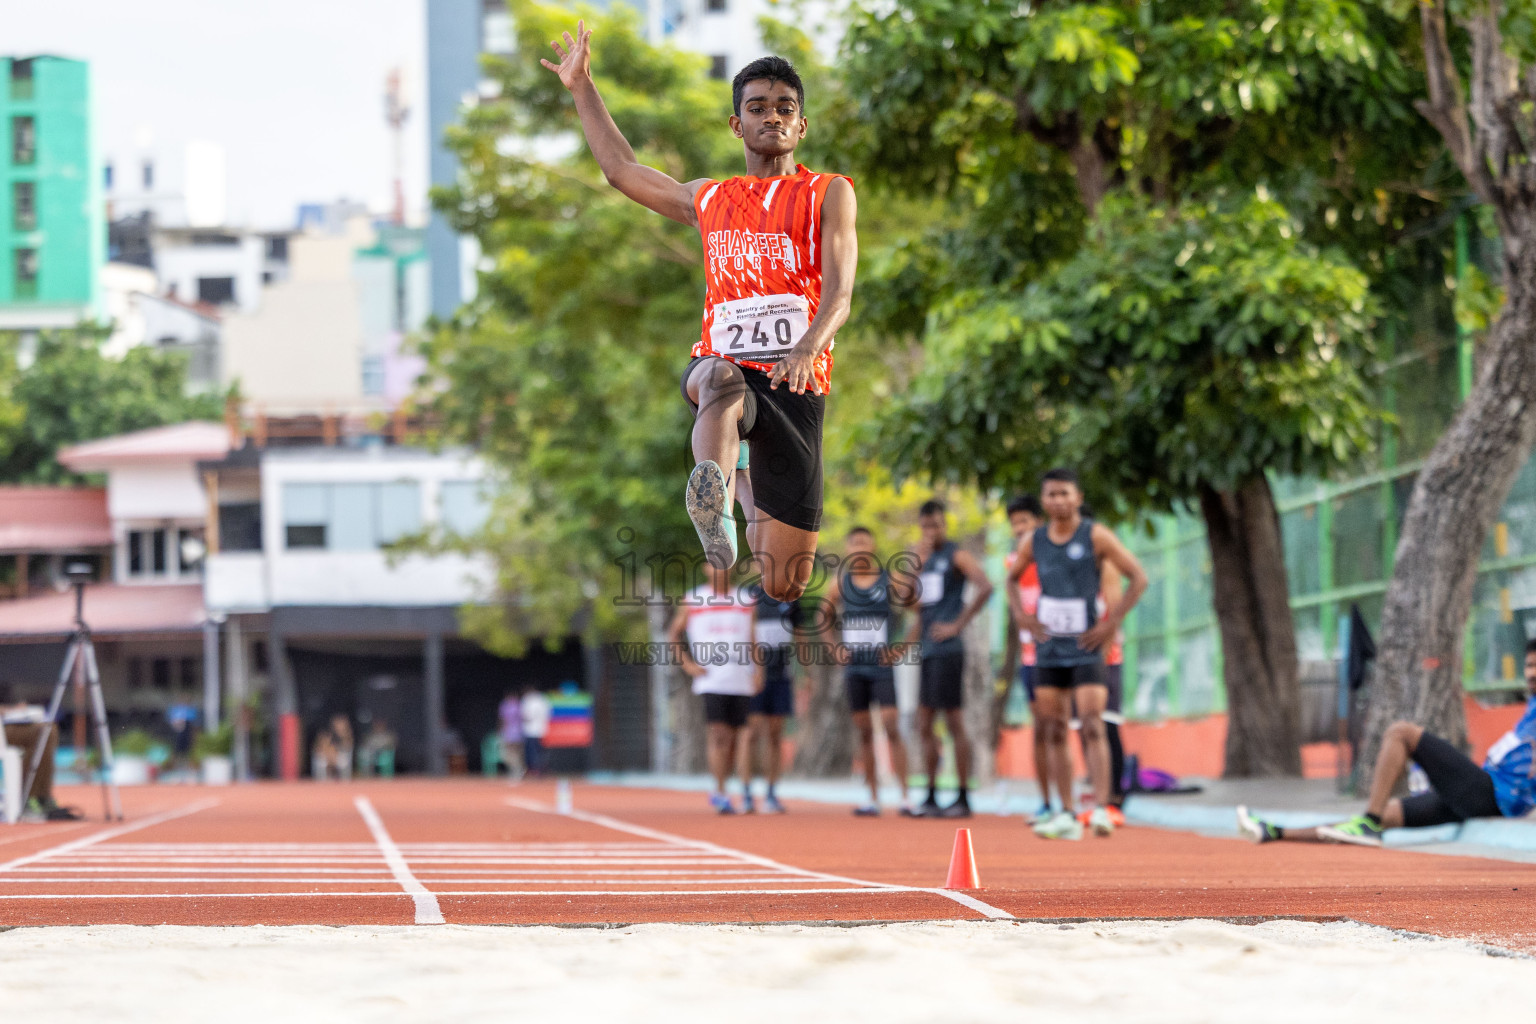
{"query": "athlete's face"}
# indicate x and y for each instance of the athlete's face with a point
(861, 552)
(771, 121)
(1530, 673)
(1022, 523)
(1061, 499)
(934, 528)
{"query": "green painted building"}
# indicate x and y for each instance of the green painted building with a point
(52, 221)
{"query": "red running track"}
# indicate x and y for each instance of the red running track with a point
(482, 852)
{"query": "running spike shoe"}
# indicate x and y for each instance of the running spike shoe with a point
(1256, 829)
(705, 500)
(1359, 831)
(1061, 825)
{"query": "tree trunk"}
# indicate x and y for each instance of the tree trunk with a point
(1455, 501)
(825, 741)
(1258, 638)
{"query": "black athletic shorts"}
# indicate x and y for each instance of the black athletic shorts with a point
(776, 698)
(1065, 677)
(783, 434)
(943, 685)
(1458, 788)
(869, 684)
(726, 709)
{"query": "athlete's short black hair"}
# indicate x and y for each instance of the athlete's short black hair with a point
(1530, 646)
(1026, 503)
(1061, 474)
(775, 69)
(861, 529)
(931, 507)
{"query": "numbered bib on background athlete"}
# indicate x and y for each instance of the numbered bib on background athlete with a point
(759, 329)
(862, 636)
(930, 586)
(1063, 616)
(773, 632)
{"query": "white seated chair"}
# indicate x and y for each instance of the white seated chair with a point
(10, 780)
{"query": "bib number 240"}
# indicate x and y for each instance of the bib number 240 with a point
(761, 328)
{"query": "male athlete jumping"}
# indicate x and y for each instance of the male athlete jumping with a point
(780, 249)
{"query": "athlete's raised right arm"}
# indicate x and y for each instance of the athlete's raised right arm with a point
(645, 185)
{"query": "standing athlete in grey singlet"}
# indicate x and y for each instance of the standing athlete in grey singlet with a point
(1068, 553)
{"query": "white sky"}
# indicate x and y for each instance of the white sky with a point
(292, 89)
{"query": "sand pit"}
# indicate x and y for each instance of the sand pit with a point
(985, 971)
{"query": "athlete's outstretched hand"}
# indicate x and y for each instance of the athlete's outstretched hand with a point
(798, 369)
(575, 56)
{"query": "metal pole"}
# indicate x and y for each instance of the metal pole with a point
(114, 805)
(432, 701)
(65, 674)
(234, 650)
(211, 684)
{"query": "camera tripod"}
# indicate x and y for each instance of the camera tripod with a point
(80, 657)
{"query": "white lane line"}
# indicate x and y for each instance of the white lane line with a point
(110, 833)
(961, 898)
(456, 892)
(427, 909)
(529, 886)
(683, 841)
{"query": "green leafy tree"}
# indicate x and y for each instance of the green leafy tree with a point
(72, 393)
(1480, 96)
(1173, 218)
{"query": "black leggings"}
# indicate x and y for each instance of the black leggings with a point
(1459, 789)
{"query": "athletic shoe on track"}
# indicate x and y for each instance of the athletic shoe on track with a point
(961, 808)
(705, 500)
(867, 811)
(748, 806)
(1359, 830)
(721, 803)
(927, 809)
(1255, 829)
(1100, 823)
(771, 805)
(1044, 812)
(908, 811)
(1061, 825)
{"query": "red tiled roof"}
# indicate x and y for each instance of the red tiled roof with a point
(194, 441)
(111, 609)
(54, 518)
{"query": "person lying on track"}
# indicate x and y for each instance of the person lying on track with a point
(1505, 786)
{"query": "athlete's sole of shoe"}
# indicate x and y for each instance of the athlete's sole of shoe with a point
(705, 500)
(1250, 829)
(1333, 835)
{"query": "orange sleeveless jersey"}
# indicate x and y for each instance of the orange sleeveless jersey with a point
(762, 259)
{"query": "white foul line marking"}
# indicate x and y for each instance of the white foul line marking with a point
(105, 834)
(427, 910)
(970, 902)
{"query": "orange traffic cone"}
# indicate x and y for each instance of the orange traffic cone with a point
(962, 863)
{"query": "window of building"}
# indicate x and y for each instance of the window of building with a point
(189, 550)
(350, 516)
(160, 673)
(23, 141)
(715, 6)
(106, 176)
(147, 172)
(277, 248)
(22, 80)
(464, 506)
(190, 681)
(717, 67)
(240, 526)
(218, 239)
(26, 274)
(135, 673)
(496, 34)
(24, 205)
(216, 291)
(373, 375)
(158, 552)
